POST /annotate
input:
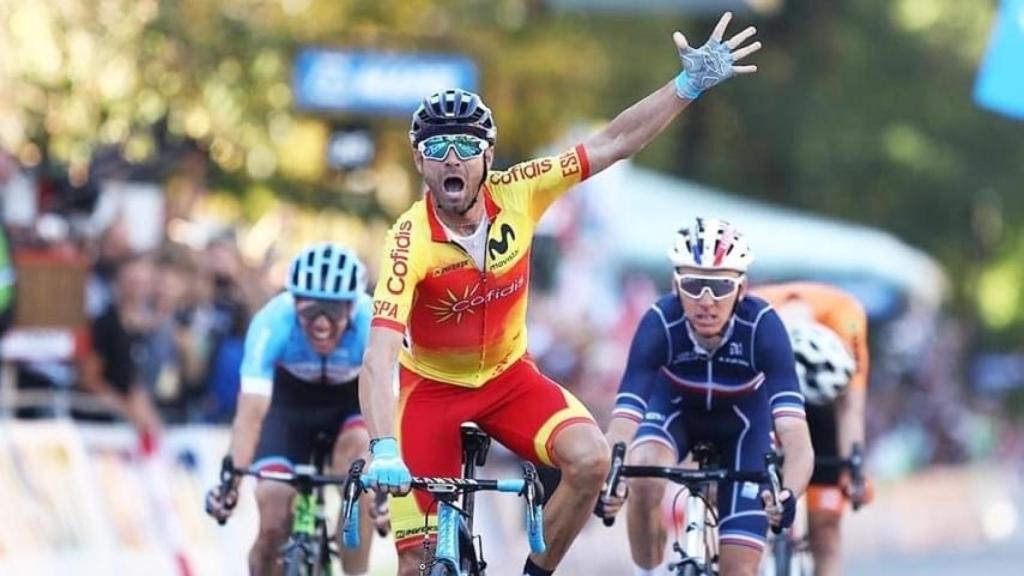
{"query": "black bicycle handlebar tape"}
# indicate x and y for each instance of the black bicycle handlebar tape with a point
(227, 476)
(612, 482)
(771, 460)
(856, 470)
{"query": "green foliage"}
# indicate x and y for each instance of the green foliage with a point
(861, 109)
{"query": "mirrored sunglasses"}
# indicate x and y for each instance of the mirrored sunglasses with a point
(466, 147)
(694, 286)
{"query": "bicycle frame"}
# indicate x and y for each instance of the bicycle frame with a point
(695, 550)
(305, 512)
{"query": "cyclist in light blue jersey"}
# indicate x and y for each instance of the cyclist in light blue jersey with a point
(303, 354)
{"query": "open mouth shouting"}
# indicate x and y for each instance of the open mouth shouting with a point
(453, 185)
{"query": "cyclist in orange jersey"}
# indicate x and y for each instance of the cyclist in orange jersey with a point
(453, 290)
(828, 330)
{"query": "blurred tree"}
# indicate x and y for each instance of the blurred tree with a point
(862, 109)
(79, 74)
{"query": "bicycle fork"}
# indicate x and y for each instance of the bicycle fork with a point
(693, 551)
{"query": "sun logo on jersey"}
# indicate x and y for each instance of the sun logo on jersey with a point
(452, 306)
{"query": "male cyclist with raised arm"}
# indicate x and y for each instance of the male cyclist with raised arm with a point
(453, 283)
(828, 329)
(710, 364)
(303, 353)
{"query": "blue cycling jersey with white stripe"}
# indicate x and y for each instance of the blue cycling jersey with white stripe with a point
(755, 353)
(275, 340)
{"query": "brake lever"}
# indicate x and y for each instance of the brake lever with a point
(612, 482)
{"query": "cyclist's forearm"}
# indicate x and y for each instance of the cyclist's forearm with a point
(634, 128)
(376, 397)
(796, 445)
(849, 411)
(376, 392)
(245, 432)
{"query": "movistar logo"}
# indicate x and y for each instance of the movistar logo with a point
(498, 247)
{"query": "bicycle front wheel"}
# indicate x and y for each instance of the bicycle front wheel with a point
(442, 569)
(296, 562)
(782, 554)
(690, 570)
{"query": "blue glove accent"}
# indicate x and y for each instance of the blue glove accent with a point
(387, 469)
(703, 68)
(686, 88)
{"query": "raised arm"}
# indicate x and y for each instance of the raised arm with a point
(703, 68)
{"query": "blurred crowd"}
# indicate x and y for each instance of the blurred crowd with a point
(166, 322)
(163, 324)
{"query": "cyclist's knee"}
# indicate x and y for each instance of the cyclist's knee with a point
(646, 492)
(823, 534)
(274, 502)
(738, 561)
(584, 457)
(650, 454)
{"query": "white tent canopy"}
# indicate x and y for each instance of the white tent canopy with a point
(643, 209)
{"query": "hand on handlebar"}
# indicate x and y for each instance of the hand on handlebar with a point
(781, 513)
(387, 472)
(610, 503)
(220, 504)
(860, 491)
(222, 499)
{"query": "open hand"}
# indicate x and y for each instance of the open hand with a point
(714, 62)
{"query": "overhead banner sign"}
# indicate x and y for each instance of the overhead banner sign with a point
(1000, 85)
(375, 83)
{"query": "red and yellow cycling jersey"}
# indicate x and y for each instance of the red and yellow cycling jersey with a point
(466, 325)
(833, 308)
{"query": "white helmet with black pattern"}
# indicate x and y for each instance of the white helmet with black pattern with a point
(824, 365)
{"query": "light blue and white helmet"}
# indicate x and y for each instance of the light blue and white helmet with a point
(327, 271)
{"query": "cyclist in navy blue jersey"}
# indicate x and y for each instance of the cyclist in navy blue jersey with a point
(710, 364)
(303, 353)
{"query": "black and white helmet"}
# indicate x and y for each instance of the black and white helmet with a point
(823, 364)
(453, 111)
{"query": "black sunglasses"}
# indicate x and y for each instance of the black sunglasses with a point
(333, 310)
